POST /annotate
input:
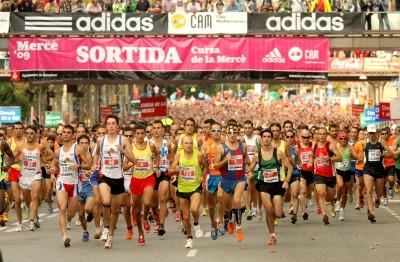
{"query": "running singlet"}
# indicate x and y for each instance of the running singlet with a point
(234, 168)
(293, 155)
(345, 164)
(111, 158)
(251, 144)
(374, 157)
(189, 173)
(398, 157)
(211, 156)
(65, 161)
(358, 149)
(390, 161)
(12, 147)
(305, 155)
(3, 175)
(163, 152)
(144, 162)
(269, 170)
(30, 164)
(322, 166)
(195, 145)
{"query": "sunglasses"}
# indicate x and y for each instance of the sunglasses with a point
(148, 132)
(129, 135)
(289, 136)
(343, 139)
(216, 130)
(30, 133)
(306, 137)
(59, 134)
(384, 133)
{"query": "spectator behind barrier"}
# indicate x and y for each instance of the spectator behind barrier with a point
(94, 7)
(321, 6)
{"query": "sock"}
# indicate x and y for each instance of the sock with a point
(239, 216)
(195, 223)
(129, 228)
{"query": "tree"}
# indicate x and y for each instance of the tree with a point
(16, 95)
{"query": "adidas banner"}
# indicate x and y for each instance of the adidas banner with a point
(305, 23)
(78, 23)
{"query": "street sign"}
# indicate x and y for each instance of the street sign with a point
(357, 110)
(384, 111)
(52, 118)
(153, 106)
(10, 114)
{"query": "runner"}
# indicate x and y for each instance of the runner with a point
(213, 181)
(14, 172)
(50, 179)
(85, 195)
(343, 171)
(270, 183)
(189, 162)
(127, 198)
(204, 134)
(143, 181)
(4, 201)
(325, 153)
(358, 148)
(374, 171)
(161, 189)
(68, 160)
(389, 163)
(396, 153)
(110, 151)
(232, 159)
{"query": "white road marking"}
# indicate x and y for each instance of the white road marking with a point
(42, 215)
(192, 253)
(52, 215)
(207, 234)
(55, 210)
(11, 230)
(391, 212)
(3, 228)
(23, 221)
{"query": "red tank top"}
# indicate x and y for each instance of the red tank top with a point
(305, 154)
(321, 166)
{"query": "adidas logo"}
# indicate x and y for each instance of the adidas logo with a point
(274, 56)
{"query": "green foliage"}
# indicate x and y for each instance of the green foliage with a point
(15, 95)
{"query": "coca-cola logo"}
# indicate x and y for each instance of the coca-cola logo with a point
(346, 64)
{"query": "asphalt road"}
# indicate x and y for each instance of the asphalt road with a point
(355, 239)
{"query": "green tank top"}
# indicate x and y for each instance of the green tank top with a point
(269, 170)
(345, 165)
(190, 174)
(398, 157)
(3, 175)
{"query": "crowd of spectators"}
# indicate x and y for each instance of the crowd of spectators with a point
(165, 6)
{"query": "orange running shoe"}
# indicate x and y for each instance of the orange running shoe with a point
(129, 234)
(146, 225)
(272, 241)
(141, 240)
(239, 235)
(231, 228)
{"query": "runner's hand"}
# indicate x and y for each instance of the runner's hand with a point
(285, 185)
(228, 157)
(173, 179)
(74, 166)
(158, 173)
(121, 148)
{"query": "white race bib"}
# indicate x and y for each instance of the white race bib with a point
(271, 175)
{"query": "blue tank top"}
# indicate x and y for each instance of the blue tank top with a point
(234, 169)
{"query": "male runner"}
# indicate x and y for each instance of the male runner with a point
(4, 150)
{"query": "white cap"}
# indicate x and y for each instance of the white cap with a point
(371, 129)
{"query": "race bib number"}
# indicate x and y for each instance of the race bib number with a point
(29, 164)
(65, 170)
(305, 157)
(163, 162)
(251, 150)
(374, 155)
(344, 164)
(321, 162)
(235, 163)
(142, 165)
(271, 175)
(212, 163)
(111, 162)
(188, 173)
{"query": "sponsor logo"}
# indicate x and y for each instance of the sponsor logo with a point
(274, 56)
(24, 48)
(302, 22)
(106, 22)
(346, 64)
(295, 54)
(194, 21)
(178, 21)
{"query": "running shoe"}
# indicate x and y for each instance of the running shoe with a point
(50, 210)
(248, 215)
(97, 233)
(78, 223)
(36, 223)
(272, 241)
(377, 202)
(189, 243)
(385, 202)
(198, 232)
(337, 206)
(129, 234)
(204, 213)
(294, 219)
(357, 207)
(85, 237)
(333, 213)
(156, 228)
(325, 220)
(89, 217)
(19, 228)
(305, 216)
(104, 234)
(221, 230)
(161, 230)
(318, 210)
(31, 226)
(259, 215)
(276, 221)
(146, 225)
(391, 193)
(371, 217)
(141, 240)
(239, 234)
(5, 217)
(108, 243)
(341, 214)
(254, 212)
(67, 241)
(214, 233)
(177, 216)
(291, 212)
(231, 228)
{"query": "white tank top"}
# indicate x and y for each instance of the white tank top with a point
(65, 160)
(163, 152)
(111, 158)
(30, 164)
(251, 144)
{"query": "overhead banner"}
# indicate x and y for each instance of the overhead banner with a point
(305, 23)
(346, 65)
(169, 54)
(201, 23)
(4, 22)
(384, 111)
(10, 114)
(153, 106)
(81, 23)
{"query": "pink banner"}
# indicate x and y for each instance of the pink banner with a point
(169, 54)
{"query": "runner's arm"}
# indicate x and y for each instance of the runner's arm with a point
(96, 155)
(203, 164)
(388, 151)
(86, 162)
(337, 157)
(219, 162)
(286, 163)
(156, 156)
(253, 164)
(174, 166)
(6, 149)
(127, 150)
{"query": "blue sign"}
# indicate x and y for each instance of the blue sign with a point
(371, 115)
(10, 114)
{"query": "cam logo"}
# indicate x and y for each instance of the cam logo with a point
(178, 21)
(295, 54)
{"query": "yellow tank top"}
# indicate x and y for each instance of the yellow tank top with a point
(144, 164)
(190, 174)
(12, 147)
(195, 145)
(282, 147)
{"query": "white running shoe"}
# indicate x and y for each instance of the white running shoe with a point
(310, 203)
(31, 226)
(108, 243)
(341, 214)
(189, 243)
(78, 223)
(253, 212)
(259, 214)
(69, 227)
(19, 228)
(104, 235)
(385, 202)
(337, 206)
(198, 232)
